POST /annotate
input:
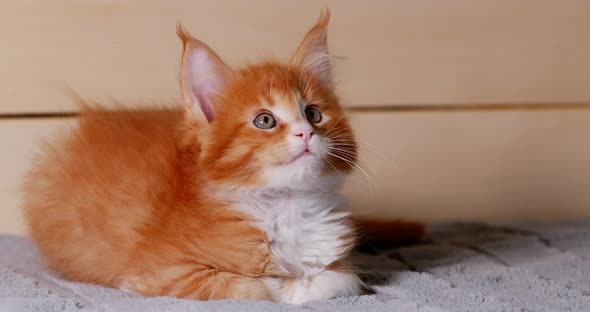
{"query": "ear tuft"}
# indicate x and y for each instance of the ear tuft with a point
(203, 75)
(312, 54)
(182, 33)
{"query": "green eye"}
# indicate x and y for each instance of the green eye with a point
(313, 115)
(265, 121)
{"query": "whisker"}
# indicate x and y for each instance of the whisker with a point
(361, 146)
(352, 164)
(334, 125)
(335, 131)
(345, 140)
(333, 166)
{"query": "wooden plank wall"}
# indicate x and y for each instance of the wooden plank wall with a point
(467, 110)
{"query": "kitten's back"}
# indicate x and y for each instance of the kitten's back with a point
(91, 191)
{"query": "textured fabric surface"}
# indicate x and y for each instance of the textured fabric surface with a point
(460, 267)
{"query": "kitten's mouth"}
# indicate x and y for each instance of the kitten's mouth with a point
(303, 154)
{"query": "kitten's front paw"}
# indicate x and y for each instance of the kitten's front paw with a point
(323, 286)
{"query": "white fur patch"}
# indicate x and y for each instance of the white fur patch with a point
(305, 227)
(307, 232)
(325, 285)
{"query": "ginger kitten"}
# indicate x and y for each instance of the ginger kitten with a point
(236, 196)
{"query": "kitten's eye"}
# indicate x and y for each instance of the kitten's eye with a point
(265, 121)
(313, 115)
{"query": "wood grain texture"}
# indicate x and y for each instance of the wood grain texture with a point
(386, 52)
(473, 166)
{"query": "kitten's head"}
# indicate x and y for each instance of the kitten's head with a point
(270, 124)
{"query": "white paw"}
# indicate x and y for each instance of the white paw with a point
(323, 286)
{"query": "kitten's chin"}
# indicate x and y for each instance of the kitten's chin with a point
(304, 173)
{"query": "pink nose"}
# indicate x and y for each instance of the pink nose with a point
(305, 134)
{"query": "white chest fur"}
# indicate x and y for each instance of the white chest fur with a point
(306, 228)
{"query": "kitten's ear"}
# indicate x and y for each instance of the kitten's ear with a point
(202, 76)
(312, 54)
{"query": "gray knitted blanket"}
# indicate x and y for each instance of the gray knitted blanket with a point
(461, 267)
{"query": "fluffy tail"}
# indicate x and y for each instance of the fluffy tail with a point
(388, 233)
